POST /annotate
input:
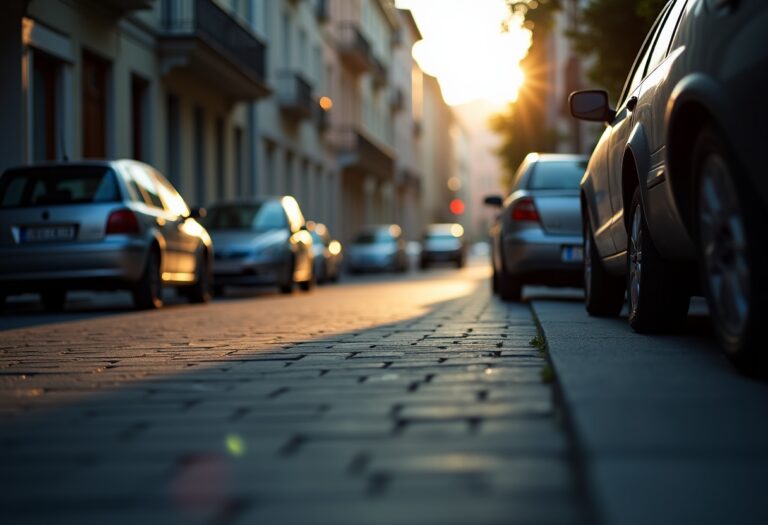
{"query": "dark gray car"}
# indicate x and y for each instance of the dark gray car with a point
(99, 225)
(676, 187)
(536, 238)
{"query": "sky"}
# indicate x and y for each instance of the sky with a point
(464, 47)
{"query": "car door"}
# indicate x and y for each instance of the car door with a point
(186, 231)
(622, 125)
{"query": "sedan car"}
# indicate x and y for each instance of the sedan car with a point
(99, 225)
(261, 242)
(443, 243)
(328, 253)
(676, 187)
(379, 247)
(536, 238)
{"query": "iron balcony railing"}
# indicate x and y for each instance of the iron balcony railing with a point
(358, 151)
(295, 94)
(206, 21)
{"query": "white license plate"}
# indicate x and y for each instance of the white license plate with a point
(48, 233)
(572, 254)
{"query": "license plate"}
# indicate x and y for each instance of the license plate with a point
(572, 254)
(48, 233)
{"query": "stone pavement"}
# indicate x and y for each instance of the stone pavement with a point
(417, 401)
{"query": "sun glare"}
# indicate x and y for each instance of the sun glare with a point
(465, 48)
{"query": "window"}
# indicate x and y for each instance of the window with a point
(45, 109)
(557, 175)
(172, 143)
(199, 137)
(262, 216)
(145, 184)
(139, 117)
(57, 186)
(639, 67)
(666, 34)
(94, 86)
(240, 182)
(221, 173)
(173, 201)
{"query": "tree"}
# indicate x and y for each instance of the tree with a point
(522, 126)
(612, 31)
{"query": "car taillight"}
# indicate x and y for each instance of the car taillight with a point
(122, 222)
(525, 210)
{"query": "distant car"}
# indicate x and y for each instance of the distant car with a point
(260, 242)
(328, 253)
(99, 225)
(676, 187)
(536, 238)
(443, 243)
(379, 247)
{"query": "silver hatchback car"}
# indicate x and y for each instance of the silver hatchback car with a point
(537, 236)
(99, 225)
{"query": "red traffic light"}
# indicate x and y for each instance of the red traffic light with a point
(457, 207)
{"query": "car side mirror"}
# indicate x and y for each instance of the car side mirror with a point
(591, 105)
(494, 200)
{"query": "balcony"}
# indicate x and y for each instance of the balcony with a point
(322, 11)
(199, 37)
(354, 49)
(130, 5)
(358, 153)
(295, 95)
(379, 72)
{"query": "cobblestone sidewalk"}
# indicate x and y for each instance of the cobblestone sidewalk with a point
(427, 415)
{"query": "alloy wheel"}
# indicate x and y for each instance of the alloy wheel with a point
(635, 257)
(723, 240)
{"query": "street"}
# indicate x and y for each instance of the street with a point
(409, 399)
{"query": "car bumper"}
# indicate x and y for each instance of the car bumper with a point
(248, 273)
(72, 265)
(537, 252)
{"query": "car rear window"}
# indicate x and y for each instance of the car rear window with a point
(52, 186)
(378, 237)
(261, 216)
(557, 175)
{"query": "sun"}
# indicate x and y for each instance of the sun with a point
(465, 48)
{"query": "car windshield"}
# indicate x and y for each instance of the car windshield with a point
(374, 237)
(259, 216)
(58, 185)
(557, 175)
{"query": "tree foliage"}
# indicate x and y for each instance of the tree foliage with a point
(612, 32)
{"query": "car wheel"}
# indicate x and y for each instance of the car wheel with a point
(494, 279)
(656, 289)
(510, 286)
(53, 300)
(148, 292)
(219, 290)
(730, 238)
(306, 286)
(286, 286)
(200, 292)
(603, 292)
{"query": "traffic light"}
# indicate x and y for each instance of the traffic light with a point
(457, 207)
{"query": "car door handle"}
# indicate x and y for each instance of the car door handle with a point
(632, 103)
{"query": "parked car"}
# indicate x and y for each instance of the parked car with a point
(261, 242)
(676, 187)
(443, 243)
(379, 247)
(328, 253)
(536, 238)
(99, 225)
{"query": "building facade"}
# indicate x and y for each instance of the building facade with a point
(235, 98)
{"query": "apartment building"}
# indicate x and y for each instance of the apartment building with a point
(317, 98)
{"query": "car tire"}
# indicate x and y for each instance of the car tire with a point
(494, 279)
(219, 290)
(510, 286)
(603, 292)
(200, 292)
(731, 243)
(53, 300)
(286, 286)
(148, 292)
(657, 291)
(306, 286)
